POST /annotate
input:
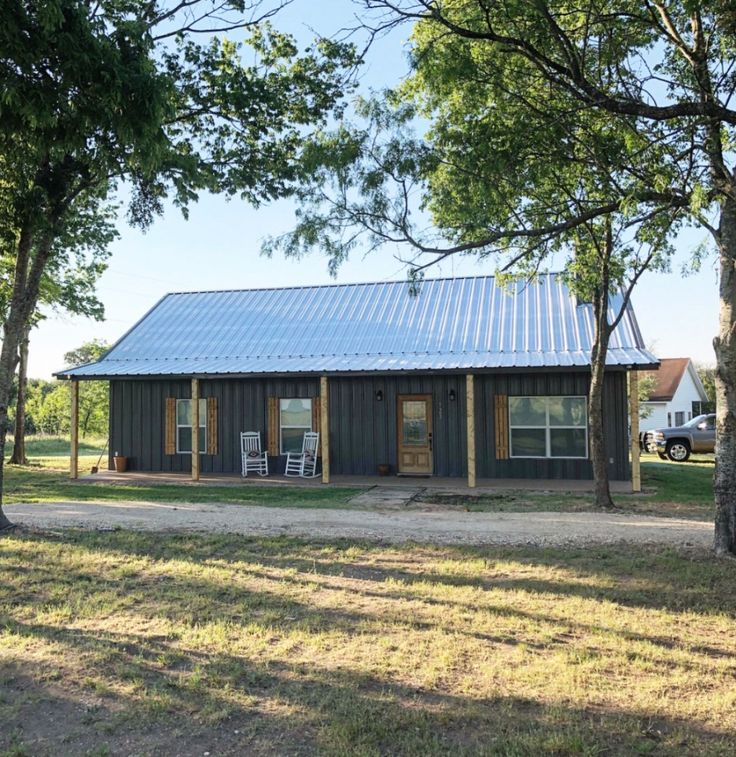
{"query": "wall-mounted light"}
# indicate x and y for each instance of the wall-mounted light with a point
(452, 395)
(379, 395)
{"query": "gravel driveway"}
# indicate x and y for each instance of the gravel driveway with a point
(391, 526)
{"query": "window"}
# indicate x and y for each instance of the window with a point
(548, 427)
(679, 418)
(184, 426)
(295, 417)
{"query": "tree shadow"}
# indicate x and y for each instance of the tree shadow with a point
(303, 708)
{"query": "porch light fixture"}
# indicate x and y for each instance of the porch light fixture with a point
(452, 395)
(379, 395)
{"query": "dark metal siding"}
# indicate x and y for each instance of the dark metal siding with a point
(615, 418)
(363, 431)
(138, 417)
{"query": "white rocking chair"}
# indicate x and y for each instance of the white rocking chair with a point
(251, 456)
(304, 463)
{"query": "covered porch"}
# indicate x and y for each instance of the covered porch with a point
(442, 483)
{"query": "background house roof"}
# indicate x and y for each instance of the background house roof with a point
(452, 324)
(668, 378)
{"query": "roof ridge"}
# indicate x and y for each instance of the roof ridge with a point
(338, 284)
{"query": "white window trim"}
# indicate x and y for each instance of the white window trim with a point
(202, 426)
(281, 426)
(547, 428)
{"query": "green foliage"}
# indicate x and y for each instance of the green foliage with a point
(647, 382)
(707, 375)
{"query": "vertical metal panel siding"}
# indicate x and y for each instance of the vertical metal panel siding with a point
(363, 431)
(573, 383)
(137, 411)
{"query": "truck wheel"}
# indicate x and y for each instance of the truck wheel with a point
(678, 451)
(662, 456)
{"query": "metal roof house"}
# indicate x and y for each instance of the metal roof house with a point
(463, 378)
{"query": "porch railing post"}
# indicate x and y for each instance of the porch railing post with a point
(324, 423)
(74, 455)
(634, 414)
(470, 426)
(195, 429)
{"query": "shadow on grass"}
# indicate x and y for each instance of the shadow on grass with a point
(630, 575)
(224, 703)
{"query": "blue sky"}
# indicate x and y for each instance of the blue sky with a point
(219, 248)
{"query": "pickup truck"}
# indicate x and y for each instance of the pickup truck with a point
(677, 443)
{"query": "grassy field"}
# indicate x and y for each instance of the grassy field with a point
(129, 643)
(670, 489)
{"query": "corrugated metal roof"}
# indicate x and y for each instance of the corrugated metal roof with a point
(452, 324)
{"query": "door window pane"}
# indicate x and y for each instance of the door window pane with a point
(414, 423)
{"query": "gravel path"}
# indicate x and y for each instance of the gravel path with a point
(392, 526)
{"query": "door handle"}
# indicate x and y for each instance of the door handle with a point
(430, 441)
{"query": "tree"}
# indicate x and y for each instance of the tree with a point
(535, 186)
(68, 284)
(663, 72)
(150, 93)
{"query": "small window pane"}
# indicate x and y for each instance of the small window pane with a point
(527, 411)
(296, 413)
(567, 411)
(292, 439)
(567, 442)
(528, 442)
(184, 413)
(184, 438)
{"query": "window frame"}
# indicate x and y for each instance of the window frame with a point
(202, 426)
(548, 428)
(282, 427)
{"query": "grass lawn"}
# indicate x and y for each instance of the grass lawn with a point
(682, 490)
(133, 643)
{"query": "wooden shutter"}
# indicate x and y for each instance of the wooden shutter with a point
(502, 426)
(170, 427)
(272, 432)
(211, 425)
(316, 421)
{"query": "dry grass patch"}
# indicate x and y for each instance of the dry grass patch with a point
(145, 643)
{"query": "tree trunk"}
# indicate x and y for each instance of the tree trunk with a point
(26, 284)
(724, 344)
(19, 456)
(598, 456)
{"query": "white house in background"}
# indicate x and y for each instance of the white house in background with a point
(677, 396)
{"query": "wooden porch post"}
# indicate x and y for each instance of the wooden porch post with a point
(74, 455)
(324, 424)
(634, 414)
(470, 426)
(195, 429)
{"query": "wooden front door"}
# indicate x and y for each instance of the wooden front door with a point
(415, 433)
